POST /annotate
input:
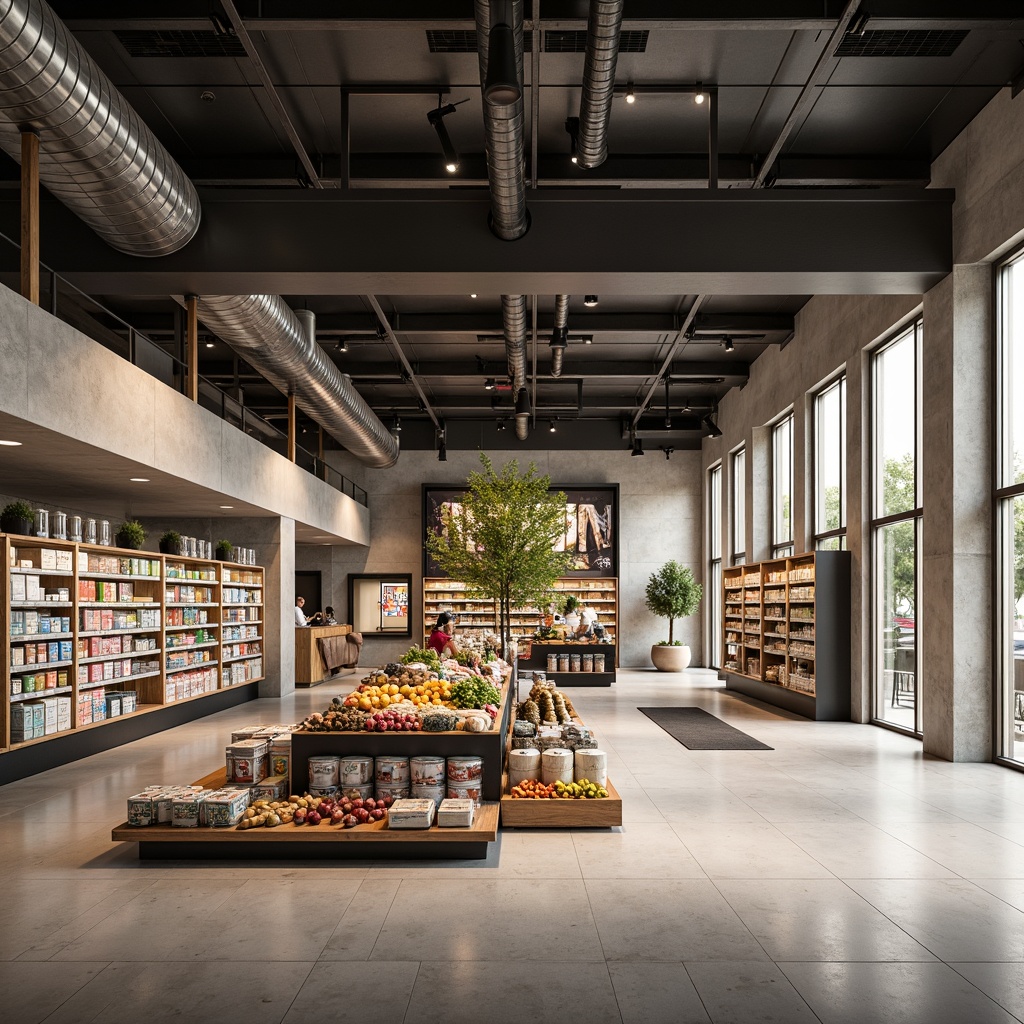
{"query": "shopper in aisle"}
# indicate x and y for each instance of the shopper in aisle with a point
(300, 615)
(324, 618)
(441, 640)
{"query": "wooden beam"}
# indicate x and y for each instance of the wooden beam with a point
(192, 344)
(30, 215)
(291, 428)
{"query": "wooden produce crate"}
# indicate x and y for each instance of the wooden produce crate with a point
(562, 813)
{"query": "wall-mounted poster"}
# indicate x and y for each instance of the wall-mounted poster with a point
(379, 604)
(591, 527)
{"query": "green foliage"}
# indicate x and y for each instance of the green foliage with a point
(502, 544)
(673, 593)
(131, 534)
(899, 494)
(171, 537)
(473, 693)
(18, 510)
(572, 603)
(422, 654)
(1018, 549)
(224, 550)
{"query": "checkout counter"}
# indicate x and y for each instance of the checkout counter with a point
(309, 663)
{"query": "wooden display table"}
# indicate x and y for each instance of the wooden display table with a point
(309, 666)
(538, 661)
(603, 813)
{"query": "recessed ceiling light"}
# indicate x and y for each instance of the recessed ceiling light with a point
(590, 301)
(699, 96)
(472, 295)
(139, 479)
(227, 506)
(209, 344)
(630, 95)
(10, 444)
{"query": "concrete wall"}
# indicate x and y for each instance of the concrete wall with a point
(659, 513)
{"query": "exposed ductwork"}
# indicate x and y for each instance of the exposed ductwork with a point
(559, 337)
(265, 332)
(96, 155)
(503, 127)
(603, 27)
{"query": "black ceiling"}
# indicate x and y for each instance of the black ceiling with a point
(357, 86)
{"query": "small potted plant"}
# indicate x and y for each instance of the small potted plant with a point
(672, 593)
(225, 550)
(130, 534)
(170, 543)
(17, 517)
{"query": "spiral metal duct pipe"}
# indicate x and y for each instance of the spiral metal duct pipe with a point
(559, 339)
(96, 155)
(265, 332)
(603, 28)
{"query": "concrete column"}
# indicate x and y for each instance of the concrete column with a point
(956, 475)
(759, 495)
(858, 530)
(278, 554)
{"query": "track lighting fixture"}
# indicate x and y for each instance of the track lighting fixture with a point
(523, 412)
(489, 384)
(588, 339)
(638, 448)
(668, 450)
(590, 301)
(712, 427)
(436, 119)
(342, 345)
(501, 425)
(572, 126)
(501, 87)
(551, 426)
(630, 95)
(442, 452)
(727, 342)
(700, 95)
(396, 427)
(442, 442)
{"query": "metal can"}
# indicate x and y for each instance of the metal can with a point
(326, 792)
(435, 793)
(395, 792)
(466, 791)
(392, 771)
(427, 771)
(356, 771)
(465, 769)
(363, 792)
(324, 771)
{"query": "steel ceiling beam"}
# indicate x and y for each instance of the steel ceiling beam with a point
(330, 242)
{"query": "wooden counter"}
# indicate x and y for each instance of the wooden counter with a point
(309, 666)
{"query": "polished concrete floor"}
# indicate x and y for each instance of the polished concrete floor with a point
(841, 877)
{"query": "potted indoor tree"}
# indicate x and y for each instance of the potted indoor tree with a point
(170, 543)
(17, 517)
(130, 534)
(672, 593)
(225, 551)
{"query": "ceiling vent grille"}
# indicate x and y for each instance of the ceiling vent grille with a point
(888, 43)
(630, 41)
(463, 41)
(175, 43)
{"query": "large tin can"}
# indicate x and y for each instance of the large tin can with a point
(465, 769)
(323, 771)
(392, 771)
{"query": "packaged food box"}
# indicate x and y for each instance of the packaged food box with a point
(140, 810)
(63, 713)
(186, 809)
(273, 788)
(455, 813)
(49, 715)
(224, 808)
(23, 721)
(411, 814)
(281, 755)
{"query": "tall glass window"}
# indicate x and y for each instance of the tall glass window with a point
(739, 506)
(714, 603)
(830, 467)
(782, 487)
(895, 530)
(1010, 507)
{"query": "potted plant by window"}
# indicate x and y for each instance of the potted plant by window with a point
(130, 534)
(170, 543)
(225, 551)
(17, 517)
(672, 593)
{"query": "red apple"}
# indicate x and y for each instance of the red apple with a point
(370, 804)
(337, 816)
(357, 803)
(350, 821)
(377, 814)
(313, 818)
(363, 815)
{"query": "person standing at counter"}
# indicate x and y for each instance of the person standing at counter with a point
(300, 615)
(441, 640)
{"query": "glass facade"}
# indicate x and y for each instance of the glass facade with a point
(895, 533)
(714, 592)
(739, 506)
(830, 467)
(782, 487)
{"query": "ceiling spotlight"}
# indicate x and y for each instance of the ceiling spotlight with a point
(638, 448)
(590, 301)
(501, 87)
(139, 479)
(572, 126)
(668, 450)
(209, 344)
(728, 343)
(396, 427)
(342, 345)
(489, 384)
(227, 506)
(588, 339)
(712, 427)
(442, 452)
(442, 442)
(630, 95)
(472, 295)
(551, 426)
(501, 425)
(436, 119)
(700, 94)
(10, 444)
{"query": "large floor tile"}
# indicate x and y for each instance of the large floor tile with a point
(902, 993)
(641, 850)
(1002, 982)
(751, 850)
(32, 991)
(359, 928)
(354, 994)
(702, 806)
(741, 992)
(490, 919)
(817, 919)
(656, 993)
(954, 918)
(472, 991)
(668, 920)
(968, 849)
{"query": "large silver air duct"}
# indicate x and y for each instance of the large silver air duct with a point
(513, 315)
(603, 27)
(560, 335)
(96, 155)
(266, 333)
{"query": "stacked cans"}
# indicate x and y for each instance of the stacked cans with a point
(428, 778)
(465, 778)
(356, 773)
(324, 774)
(392, 775)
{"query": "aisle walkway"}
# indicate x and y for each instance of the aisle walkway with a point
(840, 877)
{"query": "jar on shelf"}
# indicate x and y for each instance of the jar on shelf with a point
(104, 537)
(60, 525)
(574, 662)
(563, 663)
(90, 534)
(552, 662)
(75, 528)
(42, 523)
(598, 662)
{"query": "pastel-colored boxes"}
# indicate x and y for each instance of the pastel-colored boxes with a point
(455, 813)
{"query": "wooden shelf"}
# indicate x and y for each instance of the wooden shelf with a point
(36, 694)
(116, 657)
(118, 681)
(193, 667)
